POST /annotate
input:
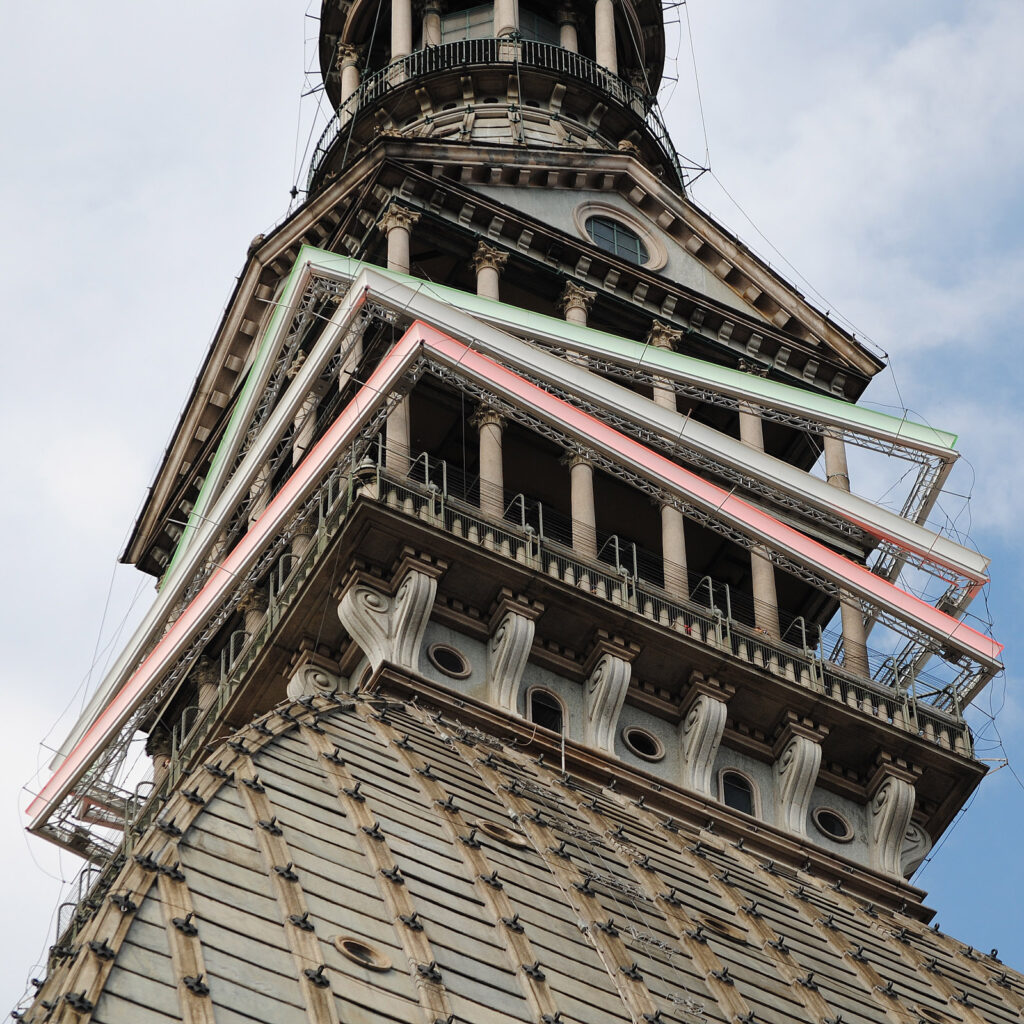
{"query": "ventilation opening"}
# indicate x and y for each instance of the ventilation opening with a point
(362, 953)
(500, 832)
(546, 710)
(833, 825)
(449, 660)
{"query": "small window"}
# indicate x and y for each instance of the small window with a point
(643, 744)
(546, 710)
(833, 825)
(737, 792)
(533, 26)
(451, 661)
(474, 23)
(618, 239)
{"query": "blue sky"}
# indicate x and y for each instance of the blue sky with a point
(878, 146)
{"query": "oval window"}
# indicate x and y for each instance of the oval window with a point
(643, 744)
(831, 824)
(449, 660)
(618, 239)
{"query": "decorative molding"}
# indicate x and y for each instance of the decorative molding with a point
(513, 622)
(608, 671)
(391, 628)
(313, 675)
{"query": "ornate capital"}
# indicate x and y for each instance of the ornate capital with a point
(485, 416)
(487, 257)
(662, 336)
(347, 54)
(396, 216)
(567, 16)
(575, 297)
(254, 601)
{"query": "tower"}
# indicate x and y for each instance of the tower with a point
(575, 599)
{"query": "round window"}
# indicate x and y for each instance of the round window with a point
(833, 825)
(362, 953)
(643, 744)
(449, 660)
(617, 238)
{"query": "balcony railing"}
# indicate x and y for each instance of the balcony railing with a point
(469, 53)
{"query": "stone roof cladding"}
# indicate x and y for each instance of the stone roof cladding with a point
(329, 862)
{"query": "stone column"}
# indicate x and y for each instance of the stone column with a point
(673, 551)
(396, 222)
(663, 336)
(158, 747)
(575, 303)
(348, 65)
(490, 425)
(604, 35)
(506, 17)
(762, 572)
(253, 607)
(584, 516)
(432, 23)
(207, 677)
(855, 647)
(568, 36)
(488, 262)
(401, 28)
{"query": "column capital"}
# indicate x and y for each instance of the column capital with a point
(574, 459)
(575, 296)
(347, 54)
(754, 369)
(489, 258)
(255, 599)
(433, 7)
(396, 216)
(567, 15)
(662, 336)
(486, 416)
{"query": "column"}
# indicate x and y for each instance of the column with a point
(506, 17)
(158, 747)
(584, 516)
(432, 23)
(401, 28)
(663, 336)
(604, 35)
(253, 607)
(568, 36)
(575, 303)
(855, 648)
(492, 477)
(303, 428)
(207, 677)
(762, 572)
(397, 222)
(673, 551)
(488, 262)
(347, 62)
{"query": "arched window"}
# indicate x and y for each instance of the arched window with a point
(618, 239)
(737, 792)
(546, 710)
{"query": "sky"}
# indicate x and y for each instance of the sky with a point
(876, 147)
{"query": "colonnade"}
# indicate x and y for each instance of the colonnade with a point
(506, 23)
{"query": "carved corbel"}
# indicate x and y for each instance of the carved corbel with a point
(917, 844)
(512, 626)
(608, 670)
(312, 674)
(700, 731)
(797, 751)
(389, 627)
(891, 812)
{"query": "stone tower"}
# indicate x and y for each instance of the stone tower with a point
(511, 664)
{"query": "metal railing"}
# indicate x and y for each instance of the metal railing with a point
(712, 626)
(468, 53)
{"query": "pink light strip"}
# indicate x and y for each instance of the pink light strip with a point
(586, 427)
